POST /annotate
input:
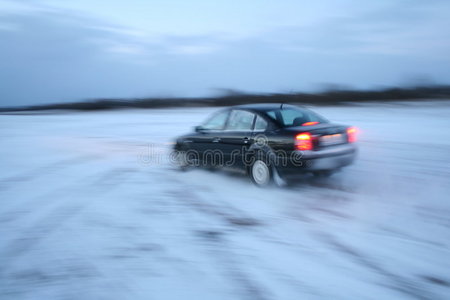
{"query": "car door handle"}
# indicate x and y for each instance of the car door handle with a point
(246, 140)
(216, 140)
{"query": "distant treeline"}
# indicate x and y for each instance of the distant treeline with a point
(334, 97)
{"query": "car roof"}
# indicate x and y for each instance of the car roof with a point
(262, 106)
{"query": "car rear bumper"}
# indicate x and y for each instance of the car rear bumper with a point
(329, 158)
(337, 150)
(329, 163)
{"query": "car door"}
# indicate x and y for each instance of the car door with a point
(237, 136)
(208, 134)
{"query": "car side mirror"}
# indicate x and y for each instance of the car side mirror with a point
(199, 128)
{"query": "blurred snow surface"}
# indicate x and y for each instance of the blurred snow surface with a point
(90, 208)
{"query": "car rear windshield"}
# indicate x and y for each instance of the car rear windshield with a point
(288, 117)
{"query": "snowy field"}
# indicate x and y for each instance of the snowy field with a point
(90, 208)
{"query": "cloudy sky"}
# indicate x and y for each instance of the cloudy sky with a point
(60, 51)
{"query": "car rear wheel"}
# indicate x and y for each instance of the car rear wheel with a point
(260, 173)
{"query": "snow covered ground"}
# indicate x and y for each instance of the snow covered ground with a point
(90, 208)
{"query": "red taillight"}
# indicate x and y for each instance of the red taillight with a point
(310, 123)
(351, 134)
(303, 141)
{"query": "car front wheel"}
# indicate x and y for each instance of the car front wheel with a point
(181, 160)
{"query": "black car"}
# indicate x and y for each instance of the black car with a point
(267, 140)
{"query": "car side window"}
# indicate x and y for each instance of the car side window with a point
(240, 120)
(260, 124)
(289, 115)
(272, 114)
(217, 121)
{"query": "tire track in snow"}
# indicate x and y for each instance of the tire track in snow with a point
(52, 221)
(399, 283)
(248, 287)
(8, 182)
(222, 249)
(30, 205)
(225, 211)
(218, 246)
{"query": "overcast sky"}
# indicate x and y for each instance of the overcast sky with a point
(55, 51)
